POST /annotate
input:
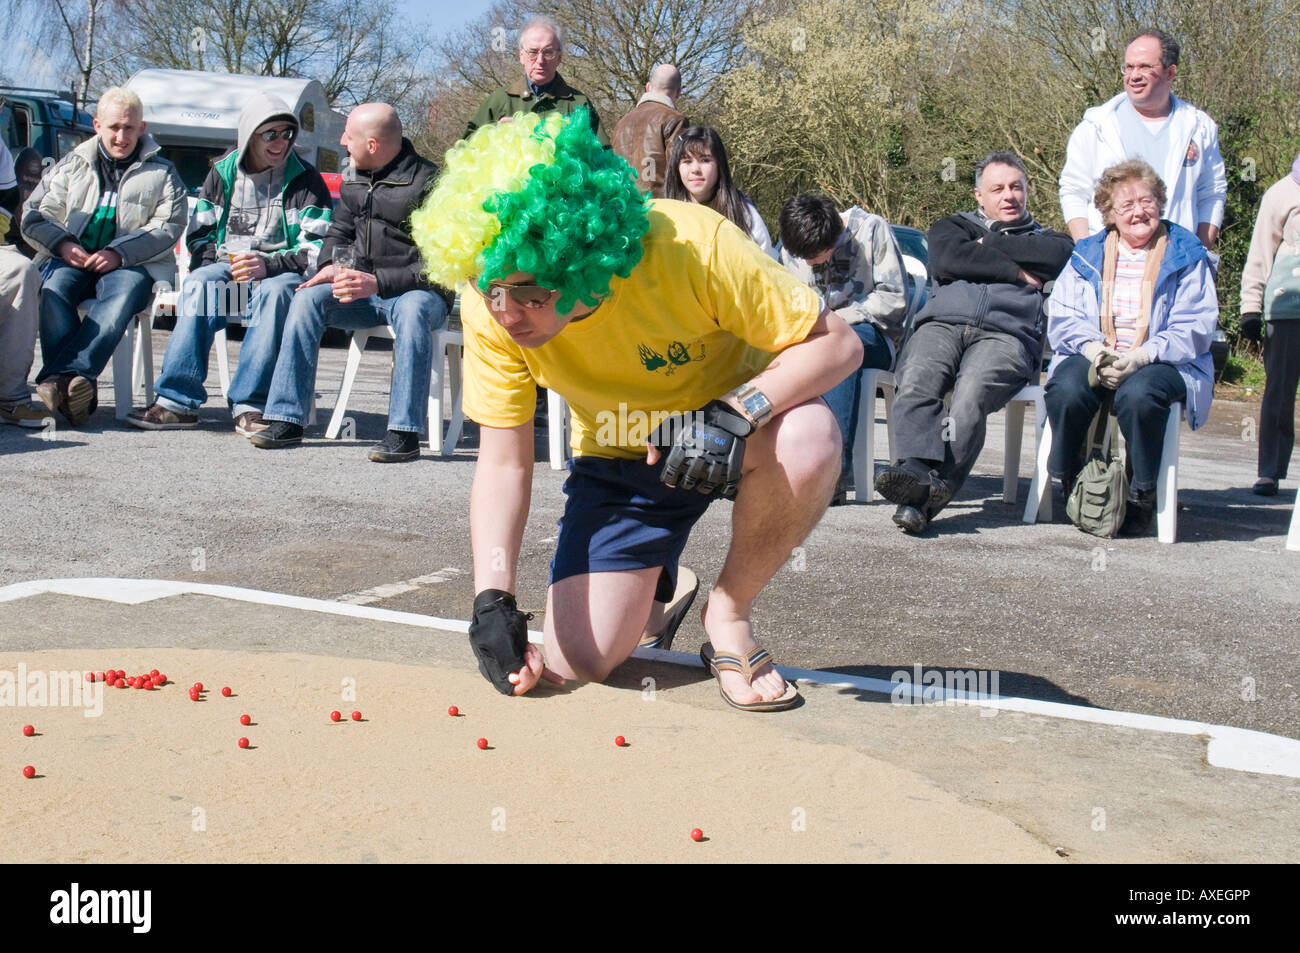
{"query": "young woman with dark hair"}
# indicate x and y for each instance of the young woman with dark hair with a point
(698, 171)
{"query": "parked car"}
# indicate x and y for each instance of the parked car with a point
(45, 119)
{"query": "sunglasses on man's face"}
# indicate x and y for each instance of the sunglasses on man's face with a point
(529, 296)
(270, 135)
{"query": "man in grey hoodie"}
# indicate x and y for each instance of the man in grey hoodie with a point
(260, 218)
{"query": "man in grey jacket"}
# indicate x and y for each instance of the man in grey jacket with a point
(980, 336)
(104, 220)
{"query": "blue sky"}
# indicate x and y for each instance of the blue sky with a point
(23, 65)
(445, 14)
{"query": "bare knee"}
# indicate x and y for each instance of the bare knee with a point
(806, 441)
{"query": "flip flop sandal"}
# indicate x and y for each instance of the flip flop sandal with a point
(724, 662)
(688, 584)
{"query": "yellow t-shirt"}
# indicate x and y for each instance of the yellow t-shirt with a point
(703, 311)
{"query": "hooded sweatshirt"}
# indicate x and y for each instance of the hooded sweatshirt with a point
(284, 211)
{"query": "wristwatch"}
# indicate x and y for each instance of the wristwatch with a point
(753, 403)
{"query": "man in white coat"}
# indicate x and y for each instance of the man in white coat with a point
(1148, 122)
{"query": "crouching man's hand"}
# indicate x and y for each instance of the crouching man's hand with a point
(498, 634)
(704, 453)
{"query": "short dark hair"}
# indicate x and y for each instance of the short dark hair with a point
(1169, 48)
(999, 158)
(809, 225)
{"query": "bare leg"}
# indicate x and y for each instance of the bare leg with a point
(791, 466)
(594, 621)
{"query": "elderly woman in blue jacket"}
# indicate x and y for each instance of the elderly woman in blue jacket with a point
(1138, 301)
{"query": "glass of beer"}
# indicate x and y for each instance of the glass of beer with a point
(237, 245)
(344, 258)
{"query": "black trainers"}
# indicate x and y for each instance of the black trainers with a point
(398, 446)
(840, 496)
(279, 434)
(1137, 514)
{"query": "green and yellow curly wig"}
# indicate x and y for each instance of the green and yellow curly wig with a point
(538, 194)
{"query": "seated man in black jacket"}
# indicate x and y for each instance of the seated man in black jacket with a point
(370, 273)
(978, 336)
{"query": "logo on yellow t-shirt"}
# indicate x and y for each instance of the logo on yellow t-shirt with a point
(678, 354)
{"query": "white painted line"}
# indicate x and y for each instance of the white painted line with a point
(135, 591)
(388, 590)
(1237, 749)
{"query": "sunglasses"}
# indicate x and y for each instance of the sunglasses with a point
(288, 135)
(529, 296)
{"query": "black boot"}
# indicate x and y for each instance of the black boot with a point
(906, 482)
(911, 519)
(1137, 514)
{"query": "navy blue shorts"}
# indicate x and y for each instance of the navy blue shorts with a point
(618, 517)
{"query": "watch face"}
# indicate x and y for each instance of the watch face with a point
(757, 405)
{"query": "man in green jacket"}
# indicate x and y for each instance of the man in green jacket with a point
(261, 217)
(542, 89)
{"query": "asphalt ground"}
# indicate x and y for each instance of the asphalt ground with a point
(1205, 629)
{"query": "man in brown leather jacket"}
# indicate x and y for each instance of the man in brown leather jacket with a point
(644, 137)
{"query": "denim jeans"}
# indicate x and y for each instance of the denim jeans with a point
(843, 397)
(413, 316)
(209, 300)
(1141, 407)
(983, 369)
(70, 345)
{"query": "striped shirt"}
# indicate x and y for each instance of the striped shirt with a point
(1126, 299)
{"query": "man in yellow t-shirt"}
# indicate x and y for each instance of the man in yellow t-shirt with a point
(658, 317)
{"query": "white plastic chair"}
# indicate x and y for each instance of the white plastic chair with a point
(1293, 537)
(864, 464)
(446, 361)
(132, 359)
(557, 429)
(1039, 504)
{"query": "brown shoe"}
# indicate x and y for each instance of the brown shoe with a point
(81, 400)
(25, 414)
(159, 417)
(249, 423)
(53, 392)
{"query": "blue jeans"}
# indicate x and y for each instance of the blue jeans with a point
(1141, 407)
(208, 301)
(413, 316)
(843, 397)
(70, 345)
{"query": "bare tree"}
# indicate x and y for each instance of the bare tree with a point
(359, 50)
(70, 33)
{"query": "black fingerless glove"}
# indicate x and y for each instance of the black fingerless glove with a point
(707, 452)
(498, 634)
(1252, 326)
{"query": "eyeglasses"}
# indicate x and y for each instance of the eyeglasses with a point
(547, 54)
(270, 135)
(1147, 204)
(1140, 68)
(529, 296)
